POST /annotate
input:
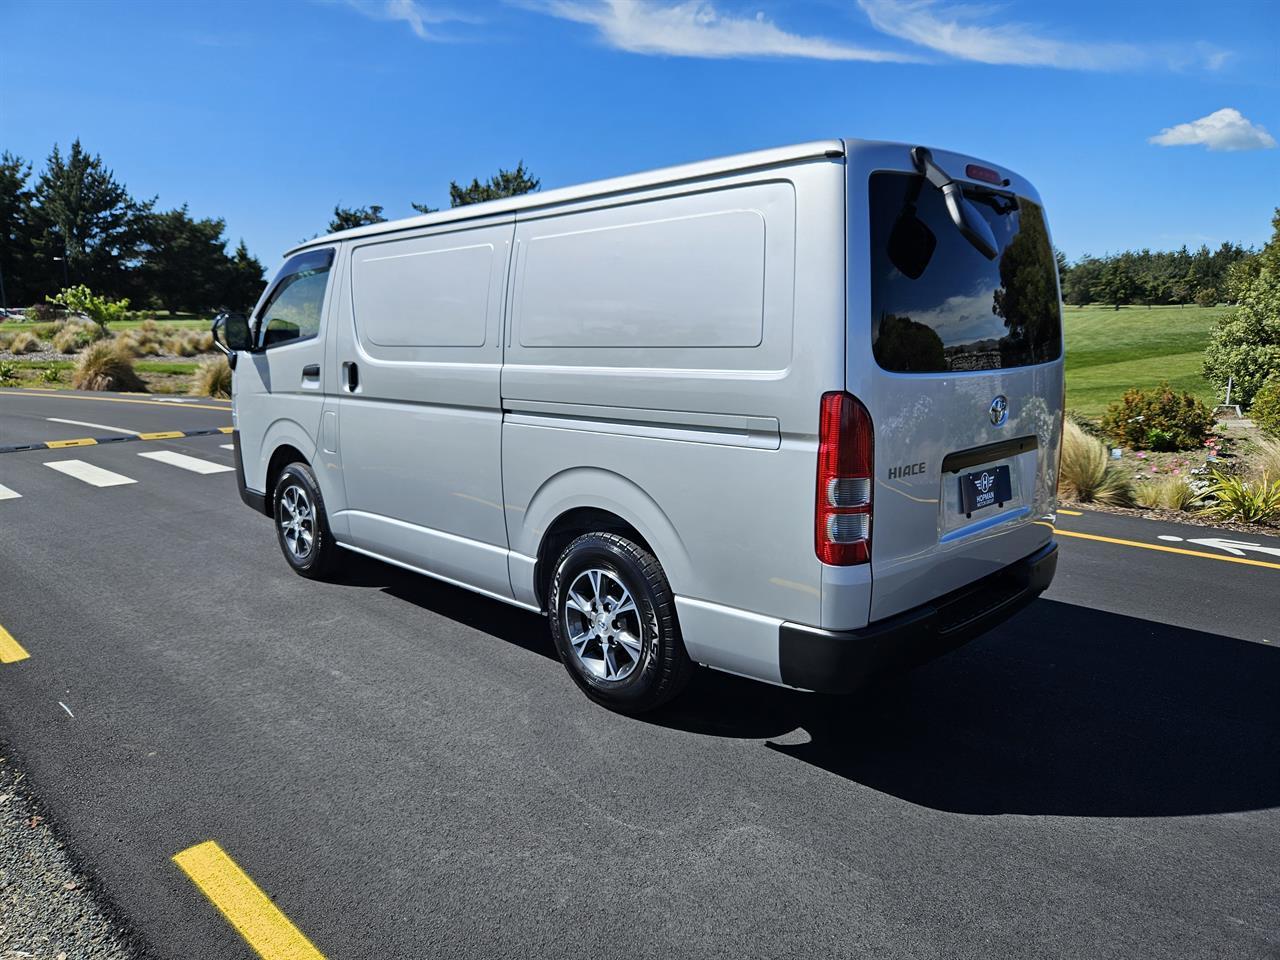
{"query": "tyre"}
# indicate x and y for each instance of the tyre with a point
(301, 525)
(613, 619)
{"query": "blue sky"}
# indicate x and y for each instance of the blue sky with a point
(267, 114)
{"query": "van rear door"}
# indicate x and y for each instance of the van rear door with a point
(958, 358)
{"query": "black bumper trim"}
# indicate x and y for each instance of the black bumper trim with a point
(250, 497)
(833, 661)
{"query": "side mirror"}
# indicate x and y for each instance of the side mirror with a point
(231, 333)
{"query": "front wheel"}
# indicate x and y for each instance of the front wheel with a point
(301, 525)
(614, 624)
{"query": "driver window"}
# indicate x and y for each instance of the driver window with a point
(293, 310)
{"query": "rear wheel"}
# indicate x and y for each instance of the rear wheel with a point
(614, 624)
(301, 525)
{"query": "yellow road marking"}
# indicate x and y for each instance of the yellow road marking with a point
(81, 396)
(226, 429)
(10, 649)
(162, 435)
(244, 904)
(1070, 513)
(82, 442)
(1163, 549)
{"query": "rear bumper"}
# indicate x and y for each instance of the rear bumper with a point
(830, 661)
(251, 498)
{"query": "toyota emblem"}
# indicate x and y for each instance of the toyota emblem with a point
(999, 410)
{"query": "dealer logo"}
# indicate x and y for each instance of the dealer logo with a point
(985, 482)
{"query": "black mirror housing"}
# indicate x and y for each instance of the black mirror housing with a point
(231, 333)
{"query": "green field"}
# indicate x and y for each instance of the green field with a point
(1109, 351)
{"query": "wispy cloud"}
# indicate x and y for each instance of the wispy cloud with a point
(695, 28)
(967, 33)
(1225, 129)
(421, 17)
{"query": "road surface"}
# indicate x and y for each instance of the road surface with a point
(406, 771)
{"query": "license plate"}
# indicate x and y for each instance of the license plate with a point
(985, 488)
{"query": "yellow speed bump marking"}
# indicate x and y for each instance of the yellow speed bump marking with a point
(226, 429)
(1163, 549)
(162, 435)
(1071, 513)
(244, 904)
(59, 444)
(10, 649)
(81, 396)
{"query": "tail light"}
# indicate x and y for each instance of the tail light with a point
(842, 518)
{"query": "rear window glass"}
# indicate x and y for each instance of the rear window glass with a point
(961, 311)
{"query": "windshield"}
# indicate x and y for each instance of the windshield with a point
(952, 308)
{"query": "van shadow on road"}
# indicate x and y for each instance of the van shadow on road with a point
(1064, 710)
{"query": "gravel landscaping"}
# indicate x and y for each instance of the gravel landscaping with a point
(49, 909)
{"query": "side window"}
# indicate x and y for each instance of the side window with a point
(294, 307)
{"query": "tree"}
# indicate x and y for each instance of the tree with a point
(15, 229)
(245, 279)
(505, 183)
(185, 264)
(83, 214)
(1115, 285)
(348, 218)
(101, 310)
(1245, 343)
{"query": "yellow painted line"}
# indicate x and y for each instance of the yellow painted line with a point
(162, 435)
(10, 649)
(1071, 513)
(1164, 549)
(244, 904)
(80, 396)
(226, 429)
(59, 444)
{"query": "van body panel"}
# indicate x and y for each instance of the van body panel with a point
(711, 418)
(421, 429)
(923, 545)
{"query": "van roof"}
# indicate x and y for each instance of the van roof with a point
(631, 181)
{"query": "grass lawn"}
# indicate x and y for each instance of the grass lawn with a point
(1109, 351)
(185, 321)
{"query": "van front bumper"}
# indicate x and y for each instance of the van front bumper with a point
(251, 498)
(831, 661)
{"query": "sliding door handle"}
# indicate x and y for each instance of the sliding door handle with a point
(311, 371)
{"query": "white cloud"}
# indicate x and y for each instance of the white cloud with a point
(959, 31)
(695, 28)
(418, 15)
(1225, 129)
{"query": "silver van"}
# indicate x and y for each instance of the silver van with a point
(793, 414)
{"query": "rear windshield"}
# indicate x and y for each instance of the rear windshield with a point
(961, 311)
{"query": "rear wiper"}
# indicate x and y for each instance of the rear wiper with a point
(971, 224)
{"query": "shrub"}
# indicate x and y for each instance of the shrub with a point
(1086, 471)
(75, 335)
(1168, 493)
(105, 366)
(213, 378)
(1266, 462)
(51, 375)
(8, 371)
(1235, 498)
(1177, 421)
(5, 339)
(24, 342)
(203, 342)
(80, 299)
(180, 346)
(1086, 424)
(1265, 411)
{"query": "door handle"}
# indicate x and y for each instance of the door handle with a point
(311, 371)
(352, 373)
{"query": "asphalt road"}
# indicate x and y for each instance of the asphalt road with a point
(408, 772)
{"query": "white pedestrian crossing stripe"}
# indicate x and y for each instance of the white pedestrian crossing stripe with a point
(7, 494)
(227, 446)
(194, 464)
(87, 472)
